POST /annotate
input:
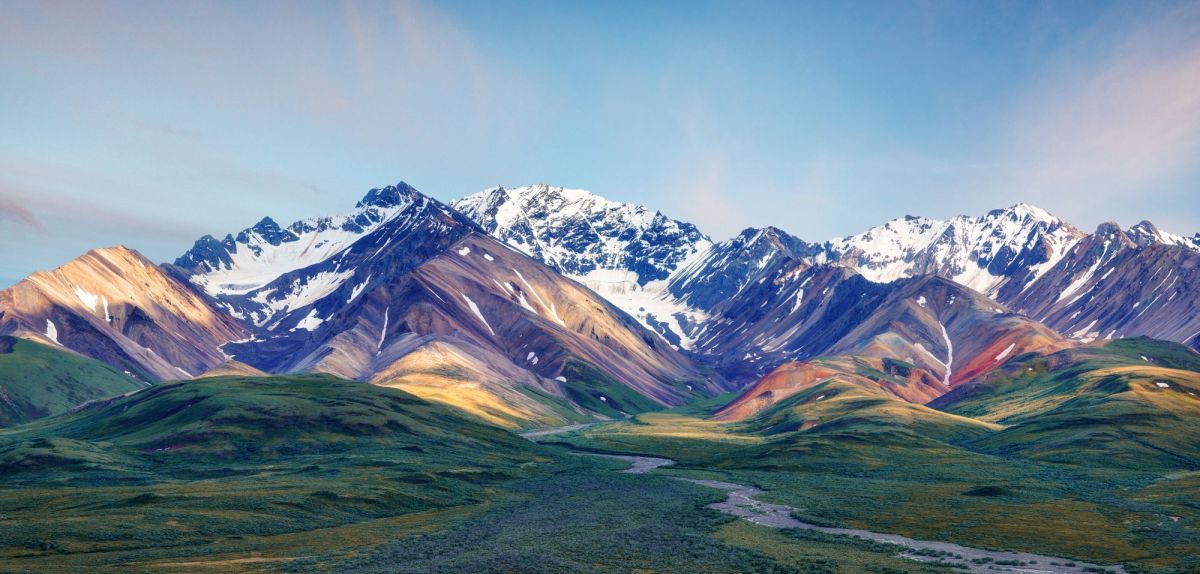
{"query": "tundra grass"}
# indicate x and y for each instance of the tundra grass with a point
(37, 381)
(592, 519)
(929, 489)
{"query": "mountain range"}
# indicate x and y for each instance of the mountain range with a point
(338, 393)
(541, 305)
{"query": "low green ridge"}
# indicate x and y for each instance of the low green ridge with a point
(38, 381)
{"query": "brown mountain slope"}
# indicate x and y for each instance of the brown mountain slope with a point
(114, 305)
(894, 378)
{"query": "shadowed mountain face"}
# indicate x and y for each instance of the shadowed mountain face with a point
(802, 311)
(1116, 283)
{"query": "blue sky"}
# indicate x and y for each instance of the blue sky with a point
(150, 124)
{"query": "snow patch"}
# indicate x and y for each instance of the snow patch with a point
(88, 299)
(477, 312)
(1005, 352)
(310, 322)
(52, 332)
(464, 251)
(358, 289)
(383, 331)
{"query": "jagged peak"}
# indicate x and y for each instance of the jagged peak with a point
(1146, 227)
(389, 196)
(266, 225)
(1022, 210)
(1108, 227)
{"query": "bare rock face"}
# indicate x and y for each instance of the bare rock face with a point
(802, 311)
(405, 291)
(1116, 284)
(114, 305)
(625, 252)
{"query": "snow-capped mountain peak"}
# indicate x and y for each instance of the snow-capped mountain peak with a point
(982, 252)
(1146, 233)
(259, 254)
(266, 270)
(582, 234)
(623, 251)
(390, 196)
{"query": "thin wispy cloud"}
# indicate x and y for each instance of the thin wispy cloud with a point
(1094, 133)
(13, 212)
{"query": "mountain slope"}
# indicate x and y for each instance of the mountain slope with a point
(39, 380)
(1013, 245)
(1132, 403)
(835, 406)
(894, 378)
(729, 266)
(798, 311)
(115, 306)
(405, 291)
(622, 251)
(288, 279)
(1117, 283)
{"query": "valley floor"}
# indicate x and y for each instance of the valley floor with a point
(537, 505)
(928, 492)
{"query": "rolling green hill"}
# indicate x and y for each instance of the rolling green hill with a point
(38, 380)
(1131, 403)
(252, 419)
(836, 406)
(269, 464)
(1090, 453)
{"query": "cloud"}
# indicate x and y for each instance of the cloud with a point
(701, 196)
(1128, 123)
(67, 202)
(11, 211)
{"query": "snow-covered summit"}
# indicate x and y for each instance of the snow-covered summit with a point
(584, 235)
(266, 272)
(256, 255)
(623, 251)
(981, 252)
(1146, 233)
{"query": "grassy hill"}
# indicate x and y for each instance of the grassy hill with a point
(38, 381)
(836, 406)
(1131, 403)
(1087, 453)
(318, 474)
(241, 465)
